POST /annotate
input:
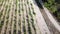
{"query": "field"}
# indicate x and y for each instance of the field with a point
(17, 17)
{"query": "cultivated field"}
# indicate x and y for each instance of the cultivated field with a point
(17, 17)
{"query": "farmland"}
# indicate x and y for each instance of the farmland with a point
(17, 17)
(25, 17)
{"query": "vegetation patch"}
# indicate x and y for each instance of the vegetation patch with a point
(54, 7)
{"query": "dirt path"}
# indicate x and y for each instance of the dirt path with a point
(52, 24)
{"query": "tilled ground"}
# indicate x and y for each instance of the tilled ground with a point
(22, 17)
(17, 17)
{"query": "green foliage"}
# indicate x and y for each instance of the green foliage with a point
(52, 6)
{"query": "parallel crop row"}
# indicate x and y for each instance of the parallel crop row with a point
(17, 17)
